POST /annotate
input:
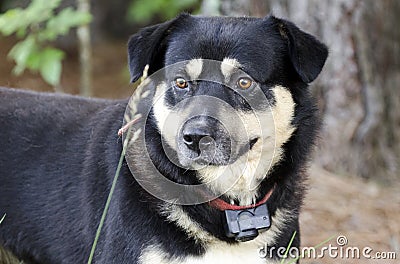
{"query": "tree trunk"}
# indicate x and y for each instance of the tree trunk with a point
(358, 89)
(85, 52)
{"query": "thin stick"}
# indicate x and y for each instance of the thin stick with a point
(121, 159)
(103, 216)
(288, 247)
(315, 247)
(2, 219)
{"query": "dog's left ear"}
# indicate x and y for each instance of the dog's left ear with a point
(148, 47)
(308, 55)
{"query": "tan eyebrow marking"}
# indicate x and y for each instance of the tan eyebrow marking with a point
(194, 68)
(228, 67)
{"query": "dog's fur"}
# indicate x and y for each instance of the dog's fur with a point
(59, 153)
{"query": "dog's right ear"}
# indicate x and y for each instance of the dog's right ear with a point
(148, 46)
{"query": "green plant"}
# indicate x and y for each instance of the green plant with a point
(37, 26)
(142, 11)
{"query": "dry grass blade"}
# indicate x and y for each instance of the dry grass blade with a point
(121, 159)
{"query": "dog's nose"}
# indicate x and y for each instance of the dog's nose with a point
(197, 139)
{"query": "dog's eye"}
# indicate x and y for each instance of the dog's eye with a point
(244, 82)
(181, 83)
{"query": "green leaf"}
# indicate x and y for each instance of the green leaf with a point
(39, 23)
(63, 22)
(17, 20)
(143, 10)
(51, 66)
(21, 52)
(40, 10)
(33, 62)
(11, 21)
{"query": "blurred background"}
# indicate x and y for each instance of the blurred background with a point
(79, 47)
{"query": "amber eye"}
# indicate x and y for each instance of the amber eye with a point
(244, 82)
(181, 83)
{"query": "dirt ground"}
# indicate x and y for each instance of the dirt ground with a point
(366, 213)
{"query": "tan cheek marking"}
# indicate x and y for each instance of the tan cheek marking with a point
(283, 113)
(228, 66)
(159, 108)
(166, 119)
(194, 68)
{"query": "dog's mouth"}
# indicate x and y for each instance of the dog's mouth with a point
(253, 142)
(247, 147)
(223, 203)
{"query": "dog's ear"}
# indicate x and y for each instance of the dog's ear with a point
(308, 55)
(148, 47)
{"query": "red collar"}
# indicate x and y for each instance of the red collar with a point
(222, 205)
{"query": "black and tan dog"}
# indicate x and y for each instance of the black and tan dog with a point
(59, 153)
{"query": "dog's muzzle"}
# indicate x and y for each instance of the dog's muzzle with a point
(203, 140)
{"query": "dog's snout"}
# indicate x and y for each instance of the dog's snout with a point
(203, 140)
(197, 139)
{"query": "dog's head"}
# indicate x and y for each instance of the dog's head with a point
(231, 89)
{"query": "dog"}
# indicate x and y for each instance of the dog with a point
(235, 117)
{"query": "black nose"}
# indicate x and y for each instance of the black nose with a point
(197, 139)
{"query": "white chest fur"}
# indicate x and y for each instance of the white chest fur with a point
(218, 252)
